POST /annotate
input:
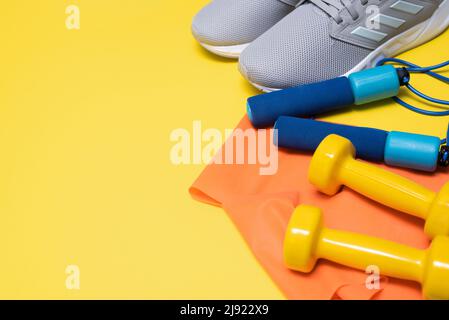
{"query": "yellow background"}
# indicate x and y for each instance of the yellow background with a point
(85, 174)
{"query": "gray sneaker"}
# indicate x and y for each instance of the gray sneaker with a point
(324, 39)
(226, 27)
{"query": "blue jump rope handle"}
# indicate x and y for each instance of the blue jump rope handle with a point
(401, 149)
(302, 101)
(306, 135)
(317, 98)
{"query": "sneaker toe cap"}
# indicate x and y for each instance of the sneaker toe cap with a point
(234, 22)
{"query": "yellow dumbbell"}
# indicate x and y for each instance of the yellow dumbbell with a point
(333, 165)
(306, 241)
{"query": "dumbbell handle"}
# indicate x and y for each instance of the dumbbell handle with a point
(388, 188)
(359, 251)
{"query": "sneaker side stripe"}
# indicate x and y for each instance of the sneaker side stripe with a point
(369, 34)
(406, 7)
(388, 20)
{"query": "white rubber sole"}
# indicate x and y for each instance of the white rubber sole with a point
(232, 52)
(263, 88)
(415, 36)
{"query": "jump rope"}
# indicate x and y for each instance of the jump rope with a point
(413, 68)
(291, 110)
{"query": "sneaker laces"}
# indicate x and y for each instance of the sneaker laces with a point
(334, 7)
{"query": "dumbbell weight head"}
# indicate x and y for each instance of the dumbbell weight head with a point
(301, 238)
(327, 161)
(436, 269)
(437, 221)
